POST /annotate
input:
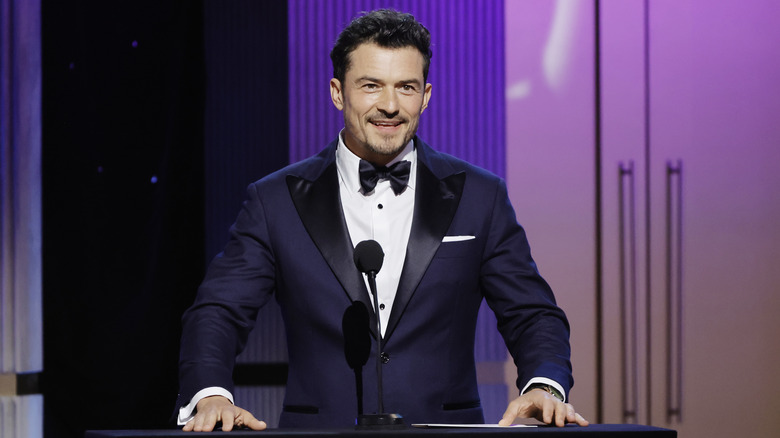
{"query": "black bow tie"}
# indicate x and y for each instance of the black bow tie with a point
(398, 174)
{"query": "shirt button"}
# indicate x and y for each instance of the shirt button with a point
(382, 306)
(380, 206)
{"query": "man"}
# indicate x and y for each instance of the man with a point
(450, 238)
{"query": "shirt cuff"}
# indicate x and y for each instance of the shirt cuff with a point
(186, 413)
(545, 381)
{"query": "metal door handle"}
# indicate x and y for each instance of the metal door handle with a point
(674, 292)
(628, 291)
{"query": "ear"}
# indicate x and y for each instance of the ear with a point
(426, 97)
(336, 94)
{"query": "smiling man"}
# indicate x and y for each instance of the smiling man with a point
(382, 96)
(450, 239)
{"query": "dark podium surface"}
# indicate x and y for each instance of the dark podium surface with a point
(570, 431)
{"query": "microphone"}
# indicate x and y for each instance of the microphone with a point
(368, 259)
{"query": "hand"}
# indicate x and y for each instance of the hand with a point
(215, 409)
(543, 406)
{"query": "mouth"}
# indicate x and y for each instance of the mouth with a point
(386, 124)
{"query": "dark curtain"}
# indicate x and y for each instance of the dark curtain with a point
(246, 128)
(123, 233)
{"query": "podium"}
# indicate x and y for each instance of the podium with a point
(570, 431)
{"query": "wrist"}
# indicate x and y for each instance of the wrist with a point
(546, 388)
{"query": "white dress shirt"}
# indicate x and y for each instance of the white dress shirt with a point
(380, 215)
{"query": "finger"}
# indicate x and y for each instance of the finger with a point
(206, 422)
(508, 418)
(561, 412)
(188, 426)
(580, 420)
(569, 412)
(253, 423)
(548, 411)
(228, 419)
(509, 415)
(573, 417)
(197, 422)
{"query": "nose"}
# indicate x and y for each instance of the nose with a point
(388, 102)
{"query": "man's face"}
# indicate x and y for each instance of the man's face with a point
(382, 97)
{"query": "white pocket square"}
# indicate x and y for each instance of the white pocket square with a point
(456, 238)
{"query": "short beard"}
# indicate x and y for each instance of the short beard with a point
(395, 149)
(388, 151)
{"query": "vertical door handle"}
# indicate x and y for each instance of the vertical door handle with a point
(674, 292)
(628, 291)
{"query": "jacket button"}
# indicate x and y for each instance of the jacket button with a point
(385, 357)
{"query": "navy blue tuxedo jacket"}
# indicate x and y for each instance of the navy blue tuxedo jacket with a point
(290, 242)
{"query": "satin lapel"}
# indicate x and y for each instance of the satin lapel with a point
(319, 207)
(434, 207)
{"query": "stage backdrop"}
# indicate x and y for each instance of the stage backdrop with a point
(122, 207)
(156, 117)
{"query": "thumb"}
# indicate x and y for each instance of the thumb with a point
(509, 416)
(253, 423)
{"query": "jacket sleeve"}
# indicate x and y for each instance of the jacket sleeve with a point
(238, 282)
(534, 328)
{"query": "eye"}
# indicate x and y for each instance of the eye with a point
(370, 87)
(408, 89)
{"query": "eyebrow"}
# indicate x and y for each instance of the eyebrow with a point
(372, 79)
(411, 82)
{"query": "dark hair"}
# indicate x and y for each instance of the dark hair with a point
(386, 28)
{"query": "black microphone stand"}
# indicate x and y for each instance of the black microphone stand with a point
(380, 420)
